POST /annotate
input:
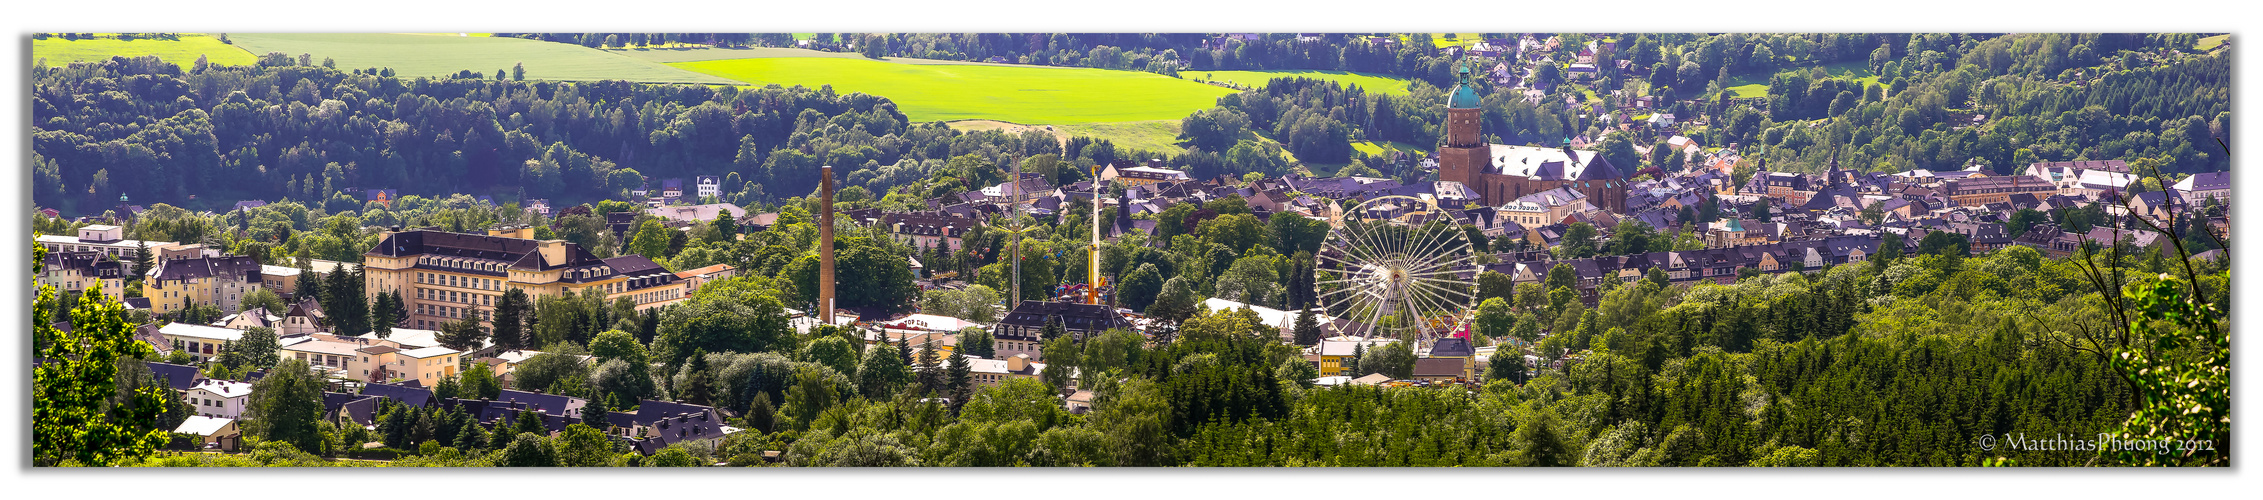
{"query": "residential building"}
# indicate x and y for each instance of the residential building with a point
(921, 229)
(282, 280)
(2201, 186)
(1334, 355)
(218, 398)
(216, 433)
(708, 186)
(1020, 332)
(202, 342)
(697, 213)
(1973, 192)
(220, 282)
(444, 276)
(1142, 175)
(82, 271)
(107, 239)
(993, 372)
(695, 278)
(1450, 359)
(303, 317)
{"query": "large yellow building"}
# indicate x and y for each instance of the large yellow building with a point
(82, 271)
(442, 276)
(220, 282)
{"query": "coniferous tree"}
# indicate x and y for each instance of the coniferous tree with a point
(699, 389)
(530, 422)
(510, 330)
(1307, 329)
(761, 416)
(142, 261)
(596, 415)
(960, 380)
(309, 286)
(1053, 329)
(463, 334)
(930, 369)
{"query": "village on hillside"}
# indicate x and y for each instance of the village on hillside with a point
(652, 319)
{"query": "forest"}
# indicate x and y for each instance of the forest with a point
(152, 133)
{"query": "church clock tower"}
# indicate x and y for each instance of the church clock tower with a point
(1465, 157)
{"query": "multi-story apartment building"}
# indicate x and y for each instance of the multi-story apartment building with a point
(81, 271)
(1021, 331)
(375, 360)
(443, 276)
(1986, 190)
(108, 239)
(220, 282)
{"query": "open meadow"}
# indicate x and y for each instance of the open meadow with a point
(182, 52)
(436, 55)
(695, 53)
(1017, 94)
(1381, 84)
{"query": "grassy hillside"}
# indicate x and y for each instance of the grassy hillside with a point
(1755, 84)
(1256, 79)
(703, 53)
(431, 55)
(183, 52)
(1015, 94)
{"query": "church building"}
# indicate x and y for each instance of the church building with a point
(1499, 173)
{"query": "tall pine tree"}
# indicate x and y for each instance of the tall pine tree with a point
(930, 371)
(959, 379)
(510, 331)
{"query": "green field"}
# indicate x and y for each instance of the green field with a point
(1018, 94)
(1158, 135)
(1372, 148)
(1756, 84)
(183, 52)
(428, 55)
(704, 53)
(2212, 42)
(1256, 79)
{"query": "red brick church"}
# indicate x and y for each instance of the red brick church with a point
(1501, 173)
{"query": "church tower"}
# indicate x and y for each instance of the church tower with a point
(1465, 157)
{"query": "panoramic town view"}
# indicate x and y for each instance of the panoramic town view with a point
(1130, 249)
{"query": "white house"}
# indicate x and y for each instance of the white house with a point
(218, 398)
(709, 185)
(108, 239)
(201, 341)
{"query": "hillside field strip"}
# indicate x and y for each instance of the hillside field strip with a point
(182, 52)
(1017, 94)
(695, 53)
(433, 55)
(1381, 84)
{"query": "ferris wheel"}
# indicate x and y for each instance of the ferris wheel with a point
(1393, 267)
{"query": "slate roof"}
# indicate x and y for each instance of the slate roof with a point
(178, 377)
(521, 254)
(1452, 347)
(549, 404)
(411, 396)
(234, 267)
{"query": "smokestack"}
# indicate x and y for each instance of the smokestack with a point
(825, 245)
